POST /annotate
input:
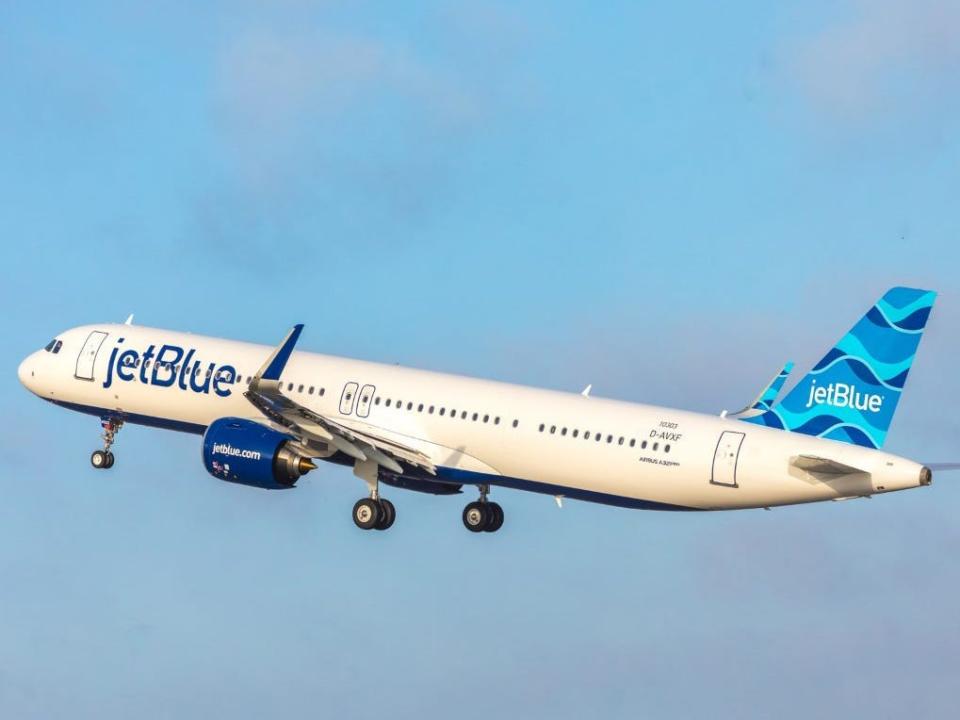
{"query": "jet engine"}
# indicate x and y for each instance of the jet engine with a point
(248, 453)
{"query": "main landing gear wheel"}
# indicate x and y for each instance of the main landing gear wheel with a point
(483, 517)
(370, 514)
(102, 459)
(388, 513)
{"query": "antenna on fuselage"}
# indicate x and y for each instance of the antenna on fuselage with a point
(129, 320)
(586, 391)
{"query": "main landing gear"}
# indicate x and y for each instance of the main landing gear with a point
(104, 459)
(483, 515)
(374, 512)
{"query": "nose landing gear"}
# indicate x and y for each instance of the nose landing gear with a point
(104, 459)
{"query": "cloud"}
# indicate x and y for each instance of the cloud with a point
(330, 127)
(897, 57)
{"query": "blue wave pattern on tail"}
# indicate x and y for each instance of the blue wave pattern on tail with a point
(852, 393)
(765, 402)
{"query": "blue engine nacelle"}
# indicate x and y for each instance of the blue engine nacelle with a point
(248, 453)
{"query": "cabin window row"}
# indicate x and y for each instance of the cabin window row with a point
(599, 437)
(441, 411)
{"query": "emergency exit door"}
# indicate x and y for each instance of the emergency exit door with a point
(725, 459)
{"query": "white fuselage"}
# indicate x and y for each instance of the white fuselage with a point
(475, 431)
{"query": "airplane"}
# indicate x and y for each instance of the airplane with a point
(268, 415)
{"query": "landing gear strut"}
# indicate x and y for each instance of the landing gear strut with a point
(483, 515)
(374, 512)
(104, 459)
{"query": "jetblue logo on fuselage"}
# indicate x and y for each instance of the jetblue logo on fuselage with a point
(168, 367)
(842, 395)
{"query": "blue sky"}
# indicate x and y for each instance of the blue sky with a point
(666, 200)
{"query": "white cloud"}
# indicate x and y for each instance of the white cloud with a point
(898, 57)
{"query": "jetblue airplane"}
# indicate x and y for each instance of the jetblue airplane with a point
(267, 415)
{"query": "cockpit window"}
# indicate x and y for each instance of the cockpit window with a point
(50, 345)
(56, 348)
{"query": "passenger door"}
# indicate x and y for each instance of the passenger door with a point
(88, 355)
(725, 459)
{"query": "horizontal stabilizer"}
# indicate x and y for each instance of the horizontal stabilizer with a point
(824, 466)
(764, 400)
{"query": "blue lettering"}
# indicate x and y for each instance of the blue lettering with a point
(182, 380)
(205, 387)
(147, 356)
(113, 356)
(226, 375)
(167, 359)
(125, 364)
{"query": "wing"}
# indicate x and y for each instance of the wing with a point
(310, 427)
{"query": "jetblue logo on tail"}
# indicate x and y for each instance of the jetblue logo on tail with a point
(842, 395)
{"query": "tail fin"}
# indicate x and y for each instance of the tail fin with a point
(852, 393)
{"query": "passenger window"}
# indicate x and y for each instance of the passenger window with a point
(486, 418)
(542, 426)
(420, 407)
(300, 389)
(475, 416)
(598, 437)
(656, 446)
(633, 442)
(563, 432)
(387, 403)
(496, 421)
(516, 423)
(576, 433)
(409, 406)
(586, 434)
(377, 401)
(609, 439)
(666, 448)
(310, 391)
(553, 429)
(443, 411)
(430, 410)
(620, 441)
(322, 391)
(643, 445)
(463, 415)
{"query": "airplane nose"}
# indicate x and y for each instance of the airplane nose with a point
(25, 373)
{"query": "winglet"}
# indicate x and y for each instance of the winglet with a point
(278, 360)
